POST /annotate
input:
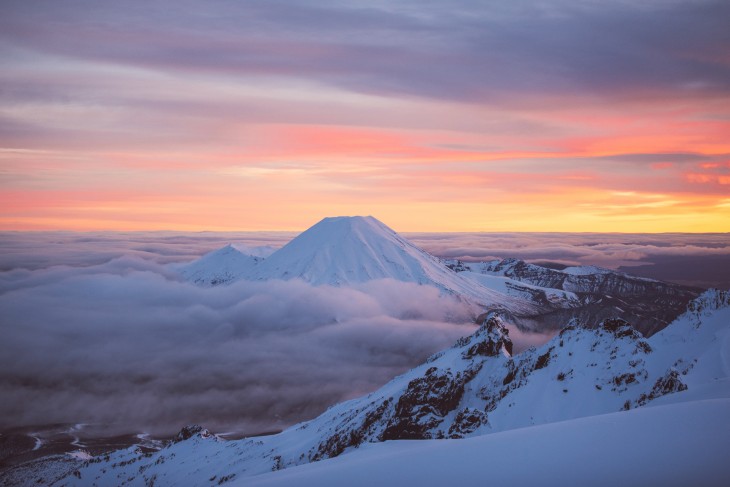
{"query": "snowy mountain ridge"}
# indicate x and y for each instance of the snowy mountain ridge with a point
(473, 389)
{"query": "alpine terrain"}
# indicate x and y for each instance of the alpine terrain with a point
(584, 381)
(611, 376)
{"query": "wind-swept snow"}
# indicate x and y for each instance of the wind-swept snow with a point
(674, 445)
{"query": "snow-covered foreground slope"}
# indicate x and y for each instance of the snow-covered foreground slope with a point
(477, 389)
(672, 445)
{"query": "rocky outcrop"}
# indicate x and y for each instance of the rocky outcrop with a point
(454, 396)
(707, 302)
(426, 402)
(190, 431)
(490, 340)
(667, 384)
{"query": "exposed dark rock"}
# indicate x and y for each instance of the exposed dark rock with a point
(467, 421)
(511, 373)
(489, 340)
(543, 360)
(351, 436)
(619, 328)
(425, 403)
(667, 384)
(456, 266)
(191, 430)
(623, 379)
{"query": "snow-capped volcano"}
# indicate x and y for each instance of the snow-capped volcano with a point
(342, 251)
(349, 251)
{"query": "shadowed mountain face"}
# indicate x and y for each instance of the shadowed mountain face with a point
(599, 294)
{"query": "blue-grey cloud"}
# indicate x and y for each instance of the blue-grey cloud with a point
(454, 50)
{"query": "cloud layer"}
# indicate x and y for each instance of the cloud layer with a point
(125, 343)
(99, 328)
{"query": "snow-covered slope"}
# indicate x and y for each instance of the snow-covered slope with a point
(224, 265)
(473, 389)
(672, 445)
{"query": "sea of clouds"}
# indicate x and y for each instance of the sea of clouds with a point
(101, 329)
(128, 344)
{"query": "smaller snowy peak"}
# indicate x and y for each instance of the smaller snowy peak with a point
(224, 265)
(260, 251)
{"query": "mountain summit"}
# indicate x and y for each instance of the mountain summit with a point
(345, 250)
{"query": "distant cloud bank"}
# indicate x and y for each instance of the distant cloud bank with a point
(699, 260)
(687, 258)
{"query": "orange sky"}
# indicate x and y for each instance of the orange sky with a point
(95, 136)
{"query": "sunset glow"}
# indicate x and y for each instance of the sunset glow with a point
(452, 117)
